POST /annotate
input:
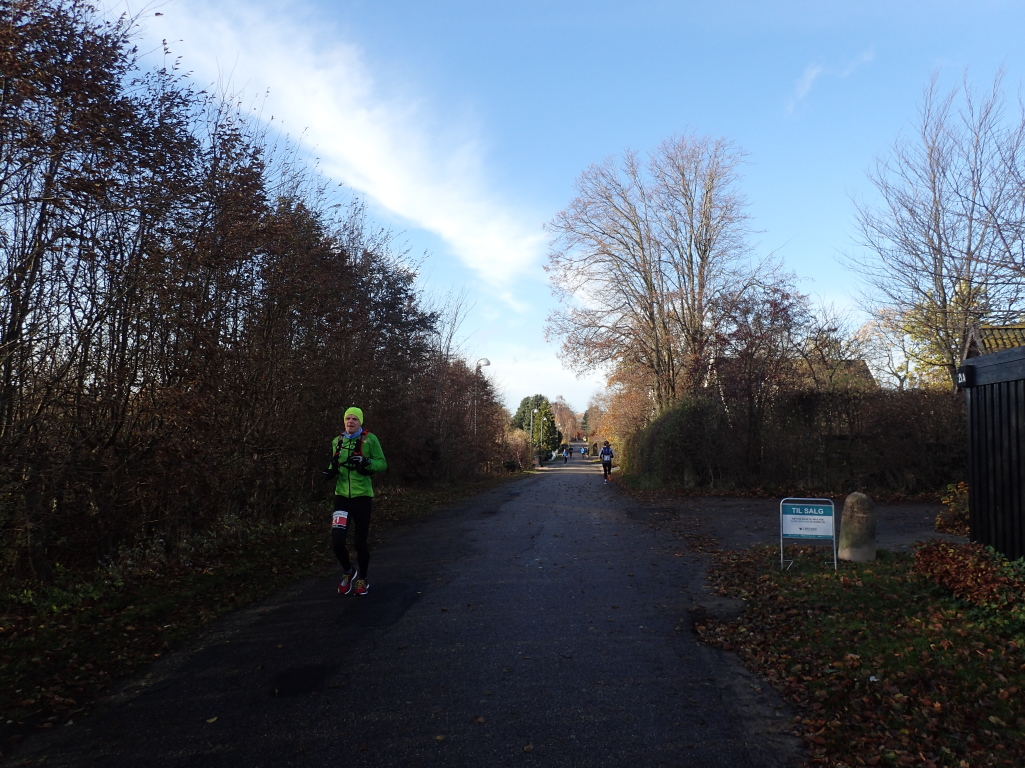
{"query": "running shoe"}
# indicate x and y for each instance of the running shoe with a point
(346, 586)
(362, 587)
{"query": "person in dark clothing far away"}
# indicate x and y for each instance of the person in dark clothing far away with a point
(606, 455)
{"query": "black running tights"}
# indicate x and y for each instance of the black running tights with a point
(358, 508)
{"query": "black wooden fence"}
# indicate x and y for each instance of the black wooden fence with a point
(994, 387)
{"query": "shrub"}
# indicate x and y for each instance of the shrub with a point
(688, 446)
(817, 441)
(976, 574)
(954, 517)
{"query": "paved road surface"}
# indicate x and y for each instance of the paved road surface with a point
(544, 623)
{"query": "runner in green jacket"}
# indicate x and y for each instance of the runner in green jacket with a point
(356, 456)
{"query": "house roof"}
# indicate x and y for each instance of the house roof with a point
(849, 373)
(993, 338)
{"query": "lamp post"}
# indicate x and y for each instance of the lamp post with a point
(480, 363)
(541, 434)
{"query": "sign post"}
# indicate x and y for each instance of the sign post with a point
(806, 519)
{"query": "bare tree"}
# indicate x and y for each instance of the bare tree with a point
(702, 228)
(565, 418)
(885, 347)
(949, 224)
(644, 258)
(832, 351)
(605, 253)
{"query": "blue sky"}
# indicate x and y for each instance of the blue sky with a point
(465, 124)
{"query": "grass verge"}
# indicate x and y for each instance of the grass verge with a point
(63, 647)
(885, 667)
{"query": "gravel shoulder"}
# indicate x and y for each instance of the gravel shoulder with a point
(738, 523)
(704, 524)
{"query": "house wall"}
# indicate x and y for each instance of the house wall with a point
(994, 387)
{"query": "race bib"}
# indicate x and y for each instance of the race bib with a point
(340, 519)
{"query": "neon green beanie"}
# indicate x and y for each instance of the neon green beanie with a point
(354, 411)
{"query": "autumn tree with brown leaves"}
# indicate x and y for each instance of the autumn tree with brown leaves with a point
(185, 313)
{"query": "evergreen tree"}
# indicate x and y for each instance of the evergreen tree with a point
(521, 419)
(545, 432)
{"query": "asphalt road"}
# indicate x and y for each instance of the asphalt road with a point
(544, 623)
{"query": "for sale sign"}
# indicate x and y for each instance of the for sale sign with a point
(806, 519)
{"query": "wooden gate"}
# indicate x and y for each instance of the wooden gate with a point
(994, 388)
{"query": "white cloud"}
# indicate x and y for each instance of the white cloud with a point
(865, 57)
(520, 371)
(804, 85)
(434, 179)
(814, 71)
(417, 163)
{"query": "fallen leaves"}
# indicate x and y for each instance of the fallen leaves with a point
(976, 574)
(884, 669)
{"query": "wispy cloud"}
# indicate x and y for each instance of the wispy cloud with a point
(519, 374)
(804, 85)
(808, 79)
(813, 72)
(865, 57)
(428, 173)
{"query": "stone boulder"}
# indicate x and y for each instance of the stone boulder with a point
(858, 529)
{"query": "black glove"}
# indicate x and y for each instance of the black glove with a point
(327, 474)
(361, 464)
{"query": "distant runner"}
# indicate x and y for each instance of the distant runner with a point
(606, 455)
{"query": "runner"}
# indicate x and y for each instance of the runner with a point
(356, 456)
(606, 455)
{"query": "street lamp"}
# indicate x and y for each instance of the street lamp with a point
(480, 363)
